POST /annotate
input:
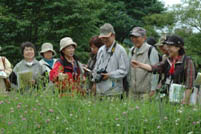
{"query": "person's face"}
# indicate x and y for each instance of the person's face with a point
(69, 51)
(29, 53)
(94, 49)
(108, 40)
(48, 55)
(173, 51)
(138, 41)
(164, 49)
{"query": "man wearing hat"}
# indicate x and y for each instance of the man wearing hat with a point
(142, 83)
(112, 64)
(47, 52)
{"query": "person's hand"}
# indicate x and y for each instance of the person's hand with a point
(135, 64)
(62, 76)
(184, 102)
(105, 76)
(151, 93)
(32, 82)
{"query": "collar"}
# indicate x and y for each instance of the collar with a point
(29, 64)
(142, 49)
(109, 50)
(179, 61)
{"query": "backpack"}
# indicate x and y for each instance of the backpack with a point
(149, 53)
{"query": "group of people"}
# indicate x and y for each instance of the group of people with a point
(111, 70)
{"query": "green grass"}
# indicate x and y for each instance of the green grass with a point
(46, 113)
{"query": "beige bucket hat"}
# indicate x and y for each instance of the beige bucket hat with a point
(65, 42)
(162, 40)
(47, 47)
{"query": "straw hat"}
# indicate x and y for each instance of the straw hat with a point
(47, 47)
(65, 42)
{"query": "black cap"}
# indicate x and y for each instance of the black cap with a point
(175, 40)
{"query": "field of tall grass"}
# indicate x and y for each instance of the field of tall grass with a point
(47, 113)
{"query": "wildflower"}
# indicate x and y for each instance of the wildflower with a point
(124, 113)
(1, 102)
(57, 117)
(18, 106)
(137, 107)
(48, 120)
(195, 109)
(51, 110)
(24, 119)
(158, 127)
(25, 112)
(118, 125)
(166, 118)
(38, 125)
(9, 123)
(71, 115)
(145, 120)
(34, 109)
(12, 110)
(194, 123)
(177, 120)
(190, 132)
(116, 119)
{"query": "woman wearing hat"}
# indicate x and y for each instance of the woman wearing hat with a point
(47, 52)
(178, 68)
(67, 71)
(5, 71)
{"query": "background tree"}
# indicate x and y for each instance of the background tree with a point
(42, 21)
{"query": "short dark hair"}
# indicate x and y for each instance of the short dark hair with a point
(27, 44)
(151, 41)
(95, 40)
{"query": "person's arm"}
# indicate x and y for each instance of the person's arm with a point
(154, 59)
(190, 77)
(8, 68)
(136, 64)
(54, 73)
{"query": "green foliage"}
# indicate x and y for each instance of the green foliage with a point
(42, 21)
(189, 13)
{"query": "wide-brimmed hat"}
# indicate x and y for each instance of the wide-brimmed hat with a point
(138, 32)
(65, 42)
(162, 40)
(106, 30)
(47, 47)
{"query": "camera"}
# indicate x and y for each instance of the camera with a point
(99, 77)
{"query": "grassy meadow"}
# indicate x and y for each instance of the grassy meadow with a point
(47, 113)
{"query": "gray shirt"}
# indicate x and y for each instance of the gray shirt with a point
(115, 61)
(35, 67)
